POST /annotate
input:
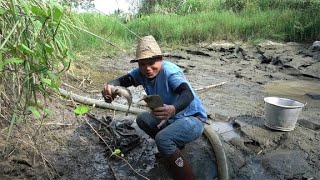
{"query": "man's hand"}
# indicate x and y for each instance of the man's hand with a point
(163, 113)
(107, 94)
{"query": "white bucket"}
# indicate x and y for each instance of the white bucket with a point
(281, 113)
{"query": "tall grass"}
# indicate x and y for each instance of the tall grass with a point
(180, 22)
(109, 28)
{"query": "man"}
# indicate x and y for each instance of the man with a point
(182, 111)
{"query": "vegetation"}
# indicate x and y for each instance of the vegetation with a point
(192, 21)
(34, 50)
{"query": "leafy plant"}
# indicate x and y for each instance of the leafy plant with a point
(34, 49)
(81, 110)
(117, 152)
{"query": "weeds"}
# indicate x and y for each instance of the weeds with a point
(34, 50)
(179, 22)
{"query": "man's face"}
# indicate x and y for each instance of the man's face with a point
(150, 67)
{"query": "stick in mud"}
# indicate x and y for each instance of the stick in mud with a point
(210, 86)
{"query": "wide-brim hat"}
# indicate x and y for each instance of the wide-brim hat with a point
(147, 48)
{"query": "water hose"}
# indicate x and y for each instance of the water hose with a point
(216, 144)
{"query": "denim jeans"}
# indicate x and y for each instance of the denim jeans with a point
(177, 131)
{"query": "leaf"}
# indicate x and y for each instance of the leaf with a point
(12, 60)
(54, 80)
(7, 61)
(116, 151)
(24, 48)
(2, 11)
(48, 48)
(38, 11)
(58, 6)
(25, 6)
(34, 111)
(81, 110)
(47, 81)
(57, 11)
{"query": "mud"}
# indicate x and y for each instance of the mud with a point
(72, 150)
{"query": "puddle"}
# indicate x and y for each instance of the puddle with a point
(226, 130)
(295, 90)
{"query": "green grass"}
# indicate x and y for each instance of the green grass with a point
(281, 20)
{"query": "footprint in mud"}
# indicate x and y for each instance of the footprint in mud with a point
(309, 124)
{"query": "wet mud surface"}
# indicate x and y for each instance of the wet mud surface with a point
(72, 149)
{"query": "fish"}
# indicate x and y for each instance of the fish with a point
(154, 101)
(122, 92)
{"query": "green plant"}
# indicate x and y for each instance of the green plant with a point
(81, 110)
(34, 50)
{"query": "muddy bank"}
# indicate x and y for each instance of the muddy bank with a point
(236, 108)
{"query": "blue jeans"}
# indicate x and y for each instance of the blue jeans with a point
(177, 131)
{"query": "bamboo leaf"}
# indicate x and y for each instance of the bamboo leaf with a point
(25, 6)
(57, 11)
(34, 111)
(58, 6)
(38, 11)
(48, 48)
(47, 81)
(54, 81)
(24, 48)
(12, 60)
(2, 11)
(81, 110)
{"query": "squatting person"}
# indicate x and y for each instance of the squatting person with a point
(183, 111)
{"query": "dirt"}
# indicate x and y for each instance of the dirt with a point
(65, 146)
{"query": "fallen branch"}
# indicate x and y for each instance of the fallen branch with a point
(99, 103)
(210, 86)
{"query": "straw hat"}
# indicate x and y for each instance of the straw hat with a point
(147, 48)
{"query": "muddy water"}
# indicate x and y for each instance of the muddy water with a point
(296, 90)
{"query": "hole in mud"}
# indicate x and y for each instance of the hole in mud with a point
(236, 125)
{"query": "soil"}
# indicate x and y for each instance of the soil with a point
(65, 146)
